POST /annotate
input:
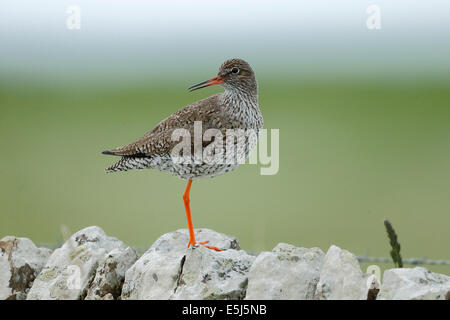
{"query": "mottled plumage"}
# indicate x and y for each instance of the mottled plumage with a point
(236, 108)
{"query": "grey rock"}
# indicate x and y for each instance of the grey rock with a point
(70, 268)
(20, 263)
(341, 277)
(288, 272)
(110, 274)
(167, 269)
(93, 266)
(211, 275)
(414, 284)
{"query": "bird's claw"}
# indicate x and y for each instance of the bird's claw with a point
(203, 243)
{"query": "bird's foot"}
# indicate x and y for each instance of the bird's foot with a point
(203, 243)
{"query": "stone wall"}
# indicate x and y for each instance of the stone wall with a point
(94, 266)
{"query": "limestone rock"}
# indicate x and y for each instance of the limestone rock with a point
(211, 275)
(110, 274)
(70, 268)
(167, 269)
(93, 266)
(341, 277)
(20, 263)
(288, 272)
(414, 283)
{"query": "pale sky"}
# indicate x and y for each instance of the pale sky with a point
(132, 37)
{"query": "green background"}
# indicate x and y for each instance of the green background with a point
(351, 154)
(364, 120)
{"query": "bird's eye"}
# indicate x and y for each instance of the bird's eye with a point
(235, 70)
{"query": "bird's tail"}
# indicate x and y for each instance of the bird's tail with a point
(120, 165)
(129, 163)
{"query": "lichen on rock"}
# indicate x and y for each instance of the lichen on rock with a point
(110, 274)
(93, 266)
(20, 263)
(71, 268)
(168, 269)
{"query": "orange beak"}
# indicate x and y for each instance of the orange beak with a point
(207, 83)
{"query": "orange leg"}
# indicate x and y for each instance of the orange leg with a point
(187, 207)
(188, 214)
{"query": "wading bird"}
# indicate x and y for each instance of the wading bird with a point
(236, 108)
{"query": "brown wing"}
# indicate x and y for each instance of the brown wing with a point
(159, 139)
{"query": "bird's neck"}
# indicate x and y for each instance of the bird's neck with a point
(238, 96)
(242, 106)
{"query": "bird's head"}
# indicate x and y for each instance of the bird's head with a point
(234, 74)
